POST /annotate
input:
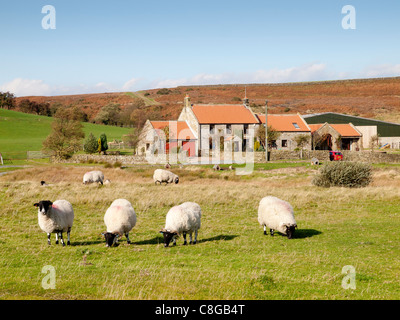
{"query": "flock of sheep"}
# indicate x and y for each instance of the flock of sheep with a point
(120, 217)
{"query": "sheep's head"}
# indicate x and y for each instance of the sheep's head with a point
(168, 236)
(176, 180)
(43, 206)
(111, 238)
(290, 231)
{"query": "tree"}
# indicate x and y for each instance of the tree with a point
(109, 114)
(102, 143)
(90, 145)
(302, 140)
(65, 137)
(7, 100)
(272, 135)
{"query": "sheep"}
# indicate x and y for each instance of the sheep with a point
(43, 183)
(93, 176)
(56, 217)
(161, 175)
(120, 218)
(276, 214)
(184, 218)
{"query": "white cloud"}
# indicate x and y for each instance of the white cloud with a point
(26, 87)
(384, 70)
(308, 72)
(131, 85)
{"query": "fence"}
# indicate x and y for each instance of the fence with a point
(36, 155)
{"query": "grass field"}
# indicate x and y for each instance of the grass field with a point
(21, 132)
(337, 227)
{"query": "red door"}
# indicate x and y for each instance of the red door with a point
(190, 147)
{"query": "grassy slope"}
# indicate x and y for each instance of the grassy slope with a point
(21, 132)
(233, 259)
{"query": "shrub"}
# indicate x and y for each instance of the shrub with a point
(91, 145)
(343, 174)
(164, 91)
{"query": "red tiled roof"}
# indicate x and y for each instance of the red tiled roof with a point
(224, 114)
(285, 122)
(345, 130)
(178, 129)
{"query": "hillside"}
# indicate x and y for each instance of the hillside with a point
(377, 98)
(21, 132)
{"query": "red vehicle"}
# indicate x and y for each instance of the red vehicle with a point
(335, 156)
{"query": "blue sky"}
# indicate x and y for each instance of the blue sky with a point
(103, 46)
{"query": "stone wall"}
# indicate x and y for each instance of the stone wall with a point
(321, 155)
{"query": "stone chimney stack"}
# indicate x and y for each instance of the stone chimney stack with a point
(186, 102)
(246, 100)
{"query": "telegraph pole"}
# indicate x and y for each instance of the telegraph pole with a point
(266, 130)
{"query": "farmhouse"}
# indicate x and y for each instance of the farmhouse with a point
(388, 133)
(163, 136)
(220, 123)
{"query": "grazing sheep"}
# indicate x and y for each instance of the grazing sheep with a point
(161, 175)
(43, 183)
(120, 218)
(276, 214)
(185, 218)
(55, 218)
(93, 176)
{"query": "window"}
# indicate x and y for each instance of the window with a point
(295, 125)
(245, 128)
(284, 143)
(212, 128)
(228, 128)
(147, 146)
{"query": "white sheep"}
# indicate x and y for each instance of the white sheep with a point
(56, 217)
(120, 218)
(185, 218)
(276, 214)
(161, 175)
(93, 176)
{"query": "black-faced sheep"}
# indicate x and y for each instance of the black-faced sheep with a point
(161, 175)
(120, 218)
(56, 217)
(276, 214)
(182, 219)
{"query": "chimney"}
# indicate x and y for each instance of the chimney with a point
(246, 100)
(186, 102)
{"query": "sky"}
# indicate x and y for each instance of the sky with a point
(116, 46)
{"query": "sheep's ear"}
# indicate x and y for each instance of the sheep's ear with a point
(36, 204)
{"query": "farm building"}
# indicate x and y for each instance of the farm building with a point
(165, 136)
(212, 123)
(290, 126)
(389, 133)
(335, 137)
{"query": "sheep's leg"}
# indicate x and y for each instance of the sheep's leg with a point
(68, 236)
(190, 238)
(265, 230)
(127, 238)
(62, 240)
(195, 236)
(184, 239)
(48, 238)
(56, 237)
(271, 231)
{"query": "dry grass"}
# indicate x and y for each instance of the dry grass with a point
(232, 260)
